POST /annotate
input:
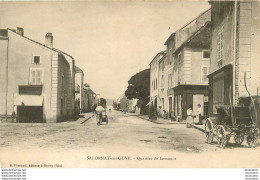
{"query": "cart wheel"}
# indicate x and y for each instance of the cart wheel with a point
(252, 142)
(239, 138)
(209, 131)
(222, 137)
(224, 142)
(210, 137)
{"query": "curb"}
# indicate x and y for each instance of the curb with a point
(198, 128)
(148, 120)
(158, 122)
(87, 119)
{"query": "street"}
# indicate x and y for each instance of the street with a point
(73, 144)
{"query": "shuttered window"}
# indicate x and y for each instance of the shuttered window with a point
(36, 76)
(204, 74)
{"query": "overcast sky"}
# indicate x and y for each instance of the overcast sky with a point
(110, 41)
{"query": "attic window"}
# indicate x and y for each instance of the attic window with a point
(205, 54)
(36, 59)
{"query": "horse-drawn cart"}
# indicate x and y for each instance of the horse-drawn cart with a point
(236, 122)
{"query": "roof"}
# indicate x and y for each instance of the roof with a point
(173, 34)
(200, 38)
(226, 67)
(38, 43)
(164, 56)
(160, 53)
(78, 70)
(88, 90)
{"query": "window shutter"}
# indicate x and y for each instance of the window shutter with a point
(32, 77)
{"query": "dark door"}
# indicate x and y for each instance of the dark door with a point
(30, 114)
(187, 103)
(61, 109)
(170, 106)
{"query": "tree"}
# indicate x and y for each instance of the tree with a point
(103, 102)
(139, 87)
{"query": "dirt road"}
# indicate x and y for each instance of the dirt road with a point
(127, 141)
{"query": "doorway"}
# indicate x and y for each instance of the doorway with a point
(170, 107)
(198, 99)
(30, 114)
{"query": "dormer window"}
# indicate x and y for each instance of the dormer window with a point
(36, 59)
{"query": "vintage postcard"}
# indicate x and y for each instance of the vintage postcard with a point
(129, 84)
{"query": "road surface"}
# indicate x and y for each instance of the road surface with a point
(127, 141)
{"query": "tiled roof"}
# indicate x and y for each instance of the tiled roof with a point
(36, 42)
(200, 38)
(187, 24)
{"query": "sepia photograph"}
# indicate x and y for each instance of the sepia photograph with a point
(129, 84)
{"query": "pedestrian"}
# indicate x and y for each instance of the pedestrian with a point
(198, 115)
(99, 110)
(189, 117)
(13, 116)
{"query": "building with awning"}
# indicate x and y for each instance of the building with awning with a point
(38, 80)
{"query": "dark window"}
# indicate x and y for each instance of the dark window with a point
(36, 59)
(206, 54)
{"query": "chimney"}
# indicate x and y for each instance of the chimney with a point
(49, 40)
(20, 31)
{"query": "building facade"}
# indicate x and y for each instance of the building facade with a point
(234, 52)
(155, 100)
(163, 86)
(79, 82)
(36, 81)
(90, 99)
(187, 66)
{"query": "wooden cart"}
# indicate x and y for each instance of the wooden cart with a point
(236, 122)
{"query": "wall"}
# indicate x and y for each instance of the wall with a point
(79, 76)
(154, 66)
(248, 47)
(20, 53)
(3, 74)
(196, 64)
(71, 84)
(54, 89)
(162, 88)
(247, 43)
(227, 24)
(64, 89)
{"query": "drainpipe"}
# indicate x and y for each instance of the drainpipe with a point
(234, 55)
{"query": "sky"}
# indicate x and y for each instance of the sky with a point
(110, 41)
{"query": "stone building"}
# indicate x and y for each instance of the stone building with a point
(163, 86)
(79, 100)
(37, 80)
(89, 99)
(235, 54)
(155, 100)
(187, 66)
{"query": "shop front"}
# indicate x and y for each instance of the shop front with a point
(190, 95)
